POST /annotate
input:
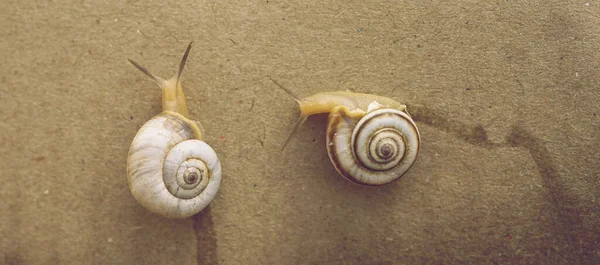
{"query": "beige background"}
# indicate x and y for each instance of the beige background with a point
(505, 94)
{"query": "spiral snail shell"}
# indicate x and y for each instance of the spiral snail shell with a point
(371, 140)
(171, 171)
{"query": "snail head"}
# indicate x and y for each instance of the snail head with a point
(303, 115)
(173, 98)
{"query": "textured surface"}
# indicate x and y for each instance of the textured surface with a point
(505, 95)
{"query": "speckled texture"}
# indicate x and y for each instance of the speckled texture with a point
(505, 95)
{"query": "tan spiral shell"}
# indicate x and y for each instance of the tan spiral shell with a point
(374, 147)
(169, 171)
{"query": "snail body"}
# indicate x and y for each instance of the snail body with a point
(371, 140)
(171, 171)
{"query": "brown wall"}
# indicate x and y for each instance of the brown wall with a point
(505, 94)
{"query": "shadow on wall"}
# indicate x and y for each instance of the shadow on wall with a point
(568, 219)
(206, 238)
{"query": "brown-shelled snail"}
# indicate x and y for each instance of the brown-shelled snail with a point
(170, 170)
(371, 140)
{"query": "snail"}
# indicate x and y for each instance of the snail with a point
(171, 171)
(371, 140)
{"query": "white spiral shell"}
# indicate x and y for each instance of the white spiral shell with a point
(169, 171)
(372, 148)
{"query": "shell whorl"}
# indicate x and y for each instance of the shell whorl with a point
(374, 147)
(170, 171)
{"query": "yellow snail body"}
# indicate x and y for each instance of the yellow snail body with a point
(371, 140)
(171, 171)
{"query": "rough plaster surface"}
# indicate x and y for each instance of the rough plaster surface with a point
(505, 94)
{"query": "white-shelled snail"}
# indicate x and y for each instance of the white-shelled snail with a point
(170, 170)
(371, 140)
